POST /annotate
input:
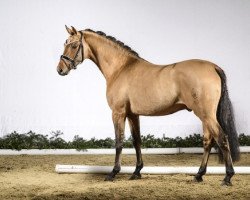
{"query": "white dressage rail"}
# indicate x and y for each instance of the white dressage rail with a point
(243, 149)
(146, 170)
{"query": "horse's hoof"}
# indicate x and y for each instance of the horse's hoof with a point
(109, 178)
(226, 183)
(135, 177)
(197, 179)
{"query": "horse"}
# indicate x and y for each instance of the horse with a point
(136, 87)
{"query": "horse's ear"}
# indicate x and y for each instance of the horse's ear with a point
(71, 32)
(74, 30)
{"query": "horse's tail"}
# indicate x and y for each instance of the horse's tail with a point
(225, 117)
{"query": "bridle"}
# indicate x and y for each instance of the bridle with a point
(72, 61)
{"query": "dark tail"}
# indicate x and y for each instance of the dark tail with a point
(225, 117)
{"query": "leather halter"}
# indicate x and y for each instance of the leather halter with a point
(72, 61)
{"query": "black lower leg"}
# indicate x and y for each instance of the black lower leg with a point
(224, 146)
(112, 174)
(137, 174)
(139, 162)
(117, 167)
(229, 173)
(207, 142)
(135, 131)
(201, 172)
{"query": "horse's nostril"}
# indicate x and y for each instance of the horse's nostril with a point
(60, 71)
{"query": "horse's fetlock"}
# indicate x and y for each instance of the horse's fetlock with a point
(140, 166)
(198, 178)
(230, 172)
(116, 169)
(202, 171)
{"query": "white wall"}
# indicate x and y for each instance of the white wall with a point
(34, 97)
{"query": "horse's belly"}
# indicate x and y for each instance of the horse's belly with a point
(156, 98)
(152, 107)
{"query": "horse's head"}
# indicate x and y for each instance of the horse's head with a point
(73, 53)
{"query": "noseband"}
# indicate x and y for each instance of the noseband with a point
(72, 61)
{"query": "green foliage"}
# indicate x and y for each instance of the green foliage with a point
(33, 140)
(80, 143)
(244, 140)
(28, 140)
(128, 143)
(56, 142)
(149, 141)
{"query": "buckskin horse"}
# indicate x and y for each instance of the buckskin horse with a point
(137, 87)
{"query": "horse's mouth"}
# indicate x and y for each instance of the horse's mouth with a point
(62, 73)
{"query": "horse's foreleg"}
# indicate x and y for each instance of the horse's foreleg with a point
(119, 125)
(207, 144)
(134, 124)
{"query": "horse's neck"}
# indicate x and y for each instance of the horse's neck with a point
(109, 58)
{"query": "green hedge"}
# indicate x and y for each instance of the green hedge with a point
(33, 140)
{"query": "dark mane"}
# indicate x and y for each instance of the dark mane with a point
(113, 39)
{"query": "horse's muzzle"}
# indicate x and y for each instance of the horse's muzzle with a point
(61, 71)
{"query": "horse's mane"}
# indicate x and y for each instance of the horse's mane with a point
(113, 39)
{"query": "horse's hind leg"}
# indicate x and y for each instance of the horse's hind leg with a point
(119, 125)
(223, 144)
(135, 131)
(207, 144)
(222, 141)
